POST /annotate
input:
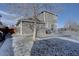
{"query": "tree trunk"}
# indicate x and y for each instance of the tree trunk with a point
(34, 32)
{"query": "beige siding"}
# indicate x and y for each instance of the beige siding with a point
(41, 31)
(50, 19)
(18, 29)
(41, 17)
(25, 28)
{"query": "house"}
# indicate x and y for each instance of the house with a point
(72, 26)
(45, 21)
(50, 19)
(1, 24)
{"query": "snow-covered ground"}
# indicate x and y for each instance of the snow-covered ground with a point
(65, 44)
(55, 47)
(1, 43)
(54, 44)
(22, 45)
(6, 49)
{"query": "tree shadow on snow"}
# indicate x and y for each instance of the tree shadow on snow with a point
(55, 47)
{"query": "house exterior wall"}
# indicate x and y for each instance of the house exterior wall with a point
(49, 19)
(41, 31)
(18, 29)
(25, 28)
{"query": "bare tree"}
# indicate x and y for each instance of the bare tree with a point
(71, 25)
(28, 10)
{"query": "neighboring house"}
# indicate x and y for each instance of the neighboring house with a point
(1, 25)
(71, 26)
(45, 20)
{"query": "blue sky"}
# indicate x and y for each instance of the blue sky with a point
(6, 17)
(70, 11)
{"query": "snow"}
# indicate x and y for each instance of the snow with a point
(22, 45)
(6, 49)
(55, 47)
(59, 44)
(69, 39)
(74, 39)
(62, 44)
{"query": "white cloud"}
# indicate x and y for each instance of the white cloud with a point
(59, 25)
(7, 18)
(7, 14)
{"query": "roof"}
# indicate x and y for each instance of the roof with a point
(30, 20)
(47, 12)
